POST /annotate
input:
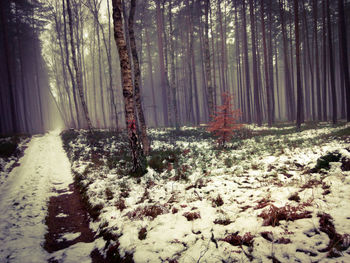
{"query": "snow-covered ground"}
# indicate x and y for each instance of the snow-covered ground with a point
(256, 200)
(23, 202)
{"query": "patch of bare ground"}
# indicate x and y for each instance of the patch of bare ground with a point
(67, 214)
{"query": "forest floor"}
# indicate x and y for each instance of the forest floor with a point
(272, 195)
(41, 216)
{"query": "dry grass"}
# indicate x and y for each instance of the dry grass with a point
(236, 240)
(190, 216)
(337, 242)
(273, 215)
(151, 211)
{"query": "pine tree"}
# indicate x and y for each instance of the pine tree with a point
(224, 120)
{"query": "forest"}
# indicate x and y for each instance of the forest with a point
(175, 130)
(283, 61)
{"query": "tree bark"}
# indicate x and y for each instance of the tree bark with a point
(138, 159)
(161, 63)
(207, 60)
(14, 119)
(297, 55)
(172, 69)
(324, 73)
(246, 63)
(317, 67)
(150, 72)
(137, 79)
(267, 81)
(289, 90)
(255, 67)
(69, 67)
(344, 58)
(331, 66)
(77, 71)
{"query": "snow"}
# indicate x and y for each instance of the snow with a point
(272, 167)
(23, 205)
(266, 168)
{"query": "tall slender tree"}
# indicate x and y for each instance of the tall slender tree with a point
(266, 68)
(255, 66)
(331, 66)
(163, 76)
(137, 79)
(126, 74)
(207, 59)
(77, 69)
(344, 63)
(246, 62)
(297, 56)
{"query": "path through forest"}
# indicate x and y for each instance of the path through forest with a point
(43, 179)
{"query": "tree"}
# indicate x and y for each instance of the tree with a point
(344, 58)
(207, 59)
(297, 54)
(266, 67)
(13, 111)
(317, 76)
(77, 69)
(137, 78)
(163, 75)
(246, 62)
(223, 123)
(139, 166)
(331, 66)
(255, 66)
(287, 76)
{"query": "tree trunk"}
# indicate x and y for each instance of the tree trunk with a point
(267, 81)
(344, 58)
(139, 166)
(207, 60)
(23, 87)
(297, 55)
(69, 67)
(246, 63)
(172, 69)
(137, 79)
(311, 68)
(255, 67)
(270, 61)
(150, 72)
(100, 75)
(12, 102)
(317, 67)
(77, 71)
(161, 63)
(324, 73)
(331, 67)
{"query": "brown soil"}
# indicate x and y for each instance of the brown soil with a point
(75, 221)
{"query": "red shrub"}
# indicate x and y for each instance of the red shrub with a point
(223, 124)
(273, 215)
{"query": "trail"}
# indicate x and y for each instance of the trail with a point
(44, 172)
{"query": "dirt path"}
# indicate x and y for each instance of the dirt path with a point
(68, 223)
(40, 192)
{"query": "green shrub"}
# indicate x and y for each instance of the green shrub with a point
(228, 162)
(323, 162)
(8, 149)
(160, 159)
(68, 136)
